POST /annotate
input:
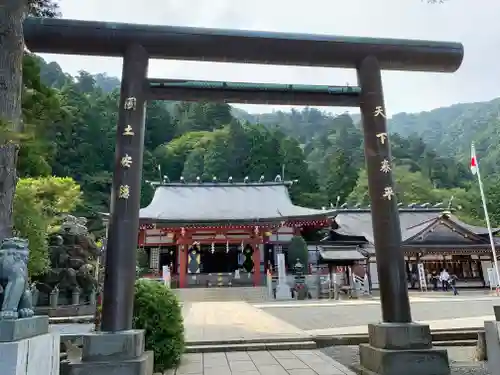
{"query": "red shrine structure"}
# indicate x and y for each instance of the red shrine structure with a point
(221, 233)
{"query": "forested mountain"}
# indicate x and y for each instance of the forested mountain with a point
(451, 130)
(71, 125)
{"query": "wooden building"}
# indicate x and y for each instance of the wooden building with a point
(221, 234)
(434, 237)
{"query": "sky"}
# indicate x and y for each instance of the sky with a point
(473, 23)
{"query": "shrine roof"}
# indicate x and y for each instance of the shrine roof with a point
(200, 203)
(329, 253)
(413, 221)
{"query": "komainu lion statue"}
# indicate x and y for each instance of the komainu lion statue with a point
(15, 297)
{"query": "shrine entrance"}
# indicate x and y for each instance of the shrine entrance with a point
(368, 56)
(168, 257)
(226, 258)
(219, 258)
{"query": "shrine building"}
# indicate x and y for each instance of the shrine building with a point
(431, 236)
(222, 233)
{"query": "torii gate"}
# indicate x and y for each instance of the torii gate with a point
(138, 43)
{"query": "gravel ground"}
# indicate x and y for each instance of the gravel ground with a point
(461, 359)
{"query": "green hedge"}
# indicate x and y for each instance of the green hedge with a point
(158, 312)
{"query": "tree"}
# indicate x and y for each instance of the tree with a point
(41, 108)
(409, 187)
(38, 204)
(194, 165)
(297, 250)
(172, 156)
(341, 178)
(217, 156)
(12, 15)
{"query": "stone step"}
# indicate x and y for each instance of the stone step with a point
(459, 343)
(257, 340)
(225, 294)
(291, 345)
(438, 336)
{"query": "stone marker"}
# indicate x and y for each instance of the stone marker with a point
(282, 288)
(26, 346)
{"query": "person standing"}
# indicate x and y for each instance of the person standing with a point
(453, 284)
(434, 280)
(444, 277)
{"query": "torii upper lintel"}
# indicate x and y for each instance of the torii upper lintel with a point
(63, 36)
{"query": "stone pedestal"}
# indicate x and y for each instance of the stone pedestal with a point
(496, 310)
(106, 353)
(397, 348)
(283, 292)
(27, 347)
(492, 336)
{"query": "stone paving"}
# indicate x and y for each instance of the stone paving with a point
(441, 324)
(227, 321)
(329, 316)
(287, 362)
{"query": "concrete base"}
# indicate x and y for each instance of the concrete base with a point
(394, 349)
(283, 292)
(19, 329)
(492, 336)
(496, 310)
(110, 353)
(142, 365)
(32, 356)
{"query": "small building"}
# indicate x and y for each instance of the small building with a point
(431, 236)
(221, 233)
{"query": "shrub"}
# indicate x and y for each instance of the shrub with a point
(158, 312)
(297, 250)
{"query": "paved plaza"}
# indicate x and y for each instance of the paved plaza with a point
(220, 321)
(286, 362)
(349, 316)
(238, 321)
(228, 321)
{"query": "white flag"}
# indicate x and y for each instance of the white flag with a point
(473, 160)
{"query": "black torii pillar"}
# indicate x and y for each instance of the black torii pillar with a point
(121, 251)
(119, 348)
(396, 345)
(384, 208)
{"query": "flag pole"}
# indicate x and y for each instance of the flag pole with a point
(487, 218)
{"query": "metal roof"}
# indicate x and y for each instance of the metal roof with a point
(226, 202)
(339, 253)
(473, 228)
(359, 222)
(412, 221)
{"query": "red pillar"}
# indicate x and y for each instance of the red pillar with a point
(141, 238)
(182, 249)
(256, 263)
